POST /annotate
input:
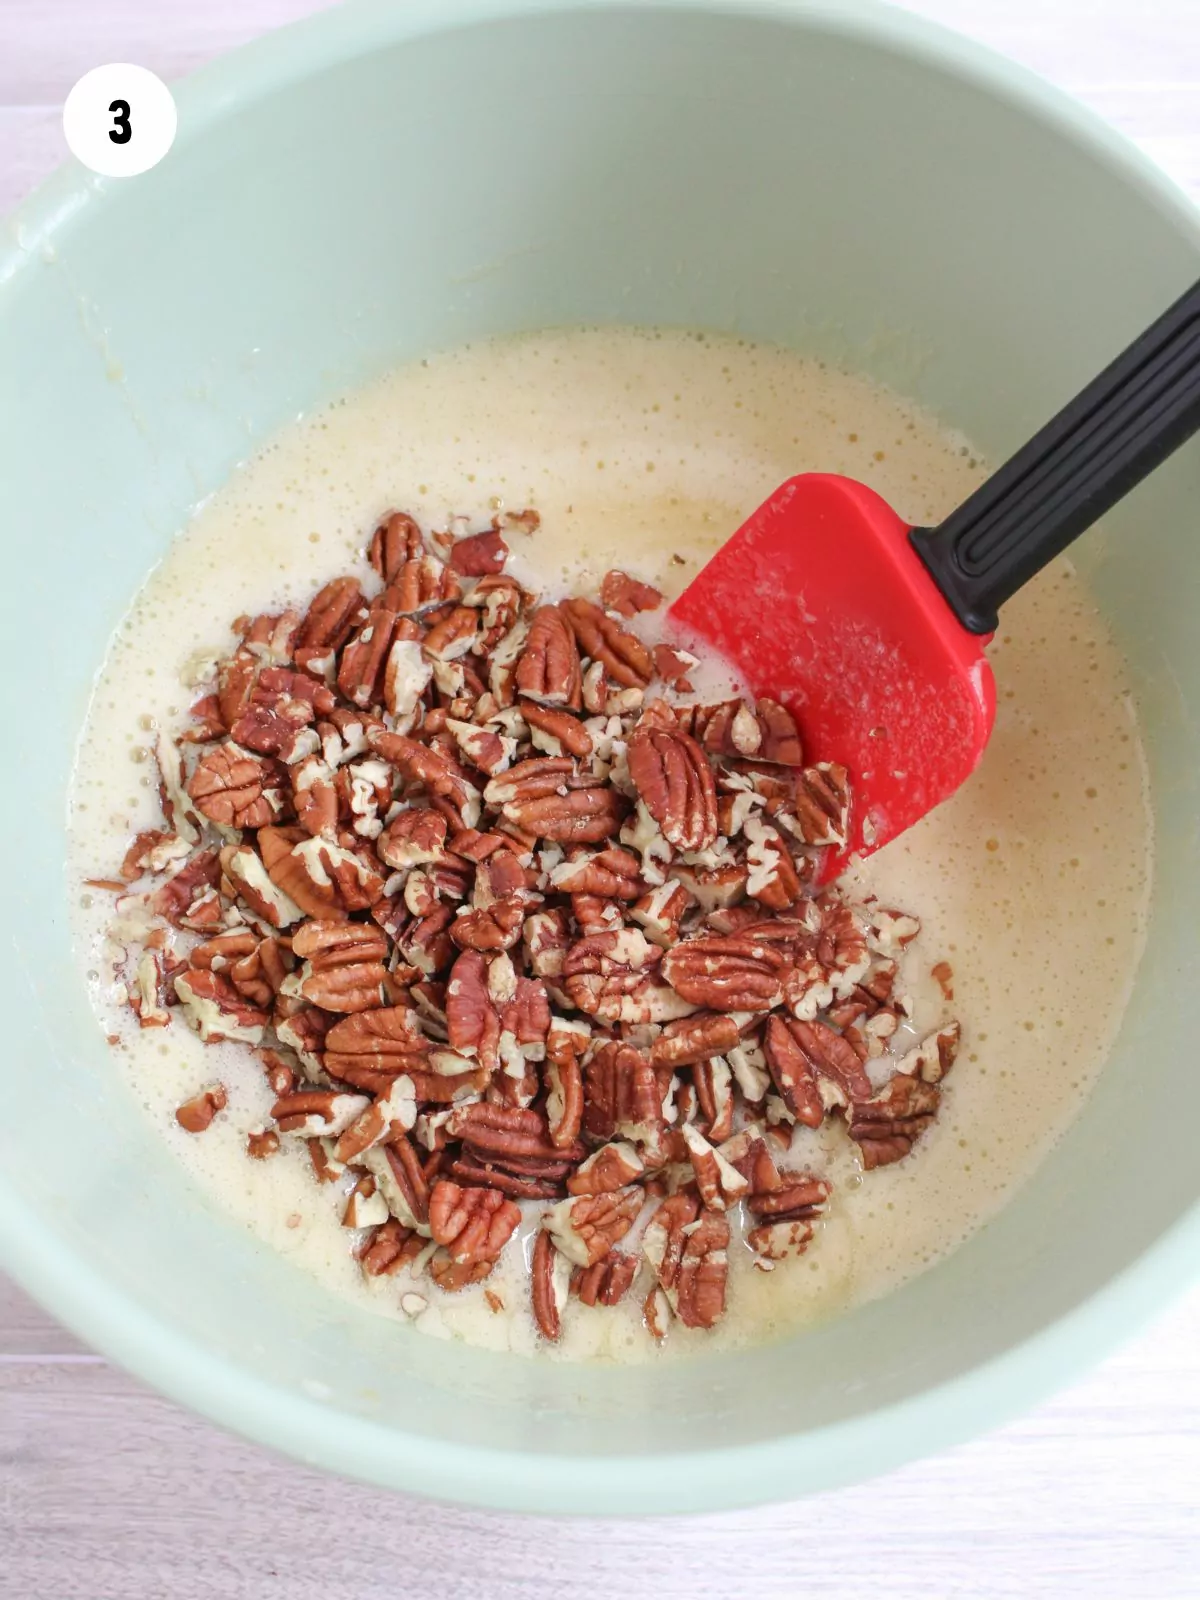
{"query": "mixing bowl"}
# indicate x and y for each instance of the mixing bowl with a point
(392, 178)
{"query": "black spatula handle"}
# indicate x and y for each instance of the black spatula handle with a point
(1139, 410)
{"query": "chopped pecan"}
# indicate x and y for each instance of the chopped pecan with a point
(314, 1112)
(364, 657)
(606, 976)
(695, 1038)
(262, 1144)
(932, 1059)
(215, 1008)
(556, 732)
(442, 776)
(886, 1126)
(346, 970)
(773, 880)
(661, 912)
(566, 1043)
(606, 1282)
(496, 927)
(196, 1114)
(586, 1227)
(718, 1181)
(674, 780)
(625, 659)
(480, 554)
(714, 1094)
(547, 938)
(612, 873)
(499, 600)
(472, 1224)
(548, 669)
(413, 838)
(549, 1284)
(389, 1248)
(620, 592)
(687, 1248)
(673, 666)
(737, 972)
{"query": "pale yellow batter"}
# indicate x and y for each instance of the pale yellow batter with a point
(645, 450)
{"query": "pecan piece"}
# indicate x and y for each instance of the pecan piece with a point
(236, 789)
(397, 1171)
(773, 880)
(692, 1039)
(673, 779)
(311, 1113)
(566, 1043)
(932, 1059)
(687, 1248)
(612, 1167)
(620, 592)
(581, 816)
(364, 657)
(586, 1227)
(737, 972)
(625, 659)
(472, 1224)
(606, 1282)
(717, 1179)
(413, 838)
(556, 732)
(389, 1248)
(216, 1010)
(549, 1285)
(479, 554)
(886, 1126)
(548, 669)
(196, 1114)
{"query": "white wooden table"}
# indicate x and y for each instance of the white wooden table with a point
(109, 1493)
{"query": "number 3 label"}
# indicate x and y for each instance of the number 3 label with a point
(119, 120)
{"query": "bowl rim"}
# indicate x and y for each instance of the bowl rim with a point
(355, 1447)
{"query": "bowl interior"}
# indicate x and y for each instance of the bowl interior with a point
(356, 192)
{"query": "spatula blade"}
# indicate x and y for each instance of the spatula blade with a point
(821, 602)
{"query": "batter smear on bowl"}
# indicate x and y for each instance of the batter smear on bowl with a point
(484, 917)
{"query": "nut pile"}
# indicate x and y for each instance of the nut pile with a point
(507, 917)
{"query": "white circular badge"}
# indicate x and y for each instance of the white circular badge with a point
(120, 120)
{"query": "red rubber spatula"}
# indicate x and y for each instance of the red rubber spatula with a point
(872, 632)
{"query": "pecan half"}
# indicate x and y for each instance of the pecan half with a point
(610, 874)
(346, 970)
(566, 1043)
(385, 1041)
(625, 659)
(737, 972)
(823, 804)
(548, 669)
(621, 1095)
(673, 779)
(692, 1039)
(472, 1224)
(330, 618)
(235, 788)
(554, 731)
(395, 541)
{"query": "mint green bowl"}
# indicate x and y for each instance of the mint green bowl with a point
(392, 178)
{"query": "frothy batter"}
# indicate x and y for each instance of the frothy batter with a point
(644, 450)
